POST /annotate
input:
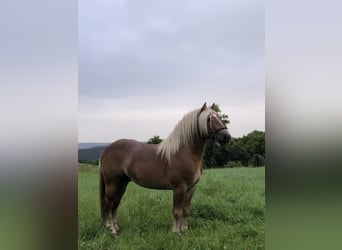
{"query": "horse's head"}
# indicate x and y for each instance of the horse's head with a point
(211, 125)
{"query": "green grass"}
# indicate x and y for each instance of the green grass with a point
(227, 212)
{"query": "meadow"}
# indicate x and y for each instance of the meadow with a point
(227, 212)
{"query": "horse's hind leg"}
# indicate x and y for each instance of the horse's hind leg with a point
(108, 205)
(114, 193)
(120, 188)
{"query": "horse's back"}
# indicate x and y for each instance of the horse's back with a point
(116, 156)
(120, 145)
(124, 151)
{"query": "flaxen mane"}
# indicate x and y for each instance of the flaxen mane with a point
(185, 133)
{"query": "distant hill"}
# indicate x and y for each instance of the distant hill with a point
(84, 145)
(90, 155)
(90, 152)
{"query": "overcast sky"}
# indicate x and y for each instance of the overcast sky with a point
(144, 64)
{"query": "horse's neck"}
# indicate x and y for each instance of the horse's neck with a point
(199, 148)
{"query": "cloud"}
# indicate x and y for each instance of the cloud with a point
(183, 52)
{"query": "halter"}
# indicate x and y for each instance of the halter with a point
(216, 131)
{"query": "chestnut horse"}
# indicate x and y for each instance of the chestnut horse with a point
(175, 164)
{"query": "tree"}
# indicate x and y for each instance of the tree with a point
(154, 140)
(256, 160)
(247, 149)
(255, 143)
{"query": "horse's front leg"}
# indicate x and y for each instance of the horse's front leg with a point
(179, 195)
(186, 209)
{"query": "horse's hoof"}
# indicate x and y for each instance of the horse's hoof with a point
(114, 232)
(117, 228)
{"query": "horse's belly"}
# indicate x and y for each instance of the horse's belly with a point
(155, 185)
(151, 182)
(148, 176)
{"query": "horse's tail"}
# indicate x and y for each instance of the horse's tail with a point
(102, 191)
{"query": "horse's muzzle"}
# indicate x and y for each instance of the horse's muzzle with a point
(223, 136)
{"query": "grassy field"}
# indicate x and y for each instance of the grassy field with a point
(227, 212)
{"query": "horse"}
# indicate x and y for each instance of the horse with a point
(174, 164)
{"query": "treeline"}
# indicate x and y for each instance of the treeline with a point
(248, 150)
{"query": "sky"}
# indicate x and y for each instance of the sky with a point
(144, 64)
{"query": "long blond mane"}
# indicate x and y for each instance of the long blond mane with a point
(185, 133)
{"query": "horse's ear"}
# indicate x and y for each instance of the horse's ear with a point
(213, 105)
(204, 107)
